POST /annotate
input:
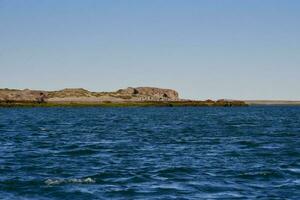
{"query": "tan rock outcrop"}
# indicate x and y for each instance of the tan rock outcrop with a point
(20, 95)
(82, 95)
(151, 93)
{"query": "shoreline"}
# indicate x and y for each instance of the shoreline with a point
(126, 104)
(272, 103)
(13, 104)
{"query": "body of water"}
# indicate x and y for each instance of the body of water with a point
(150, 153)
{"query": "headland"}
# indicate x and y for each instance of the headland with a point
(73, 97)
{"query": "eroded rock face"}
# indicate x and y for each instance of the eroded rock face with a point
(128, 91)
(151, 93)
(82, 95)
(21, 95)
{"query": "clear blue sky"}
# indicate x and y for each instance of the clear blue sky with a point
(241, 49)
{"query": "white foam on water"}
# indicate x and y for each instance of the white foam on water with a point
(297, 170)
(297, 181)
(86, 180)
(72, 180)
(53, 182)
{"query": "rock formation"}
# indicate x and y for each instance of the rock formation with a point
(82, 95)
(8, 95)
(150, 93)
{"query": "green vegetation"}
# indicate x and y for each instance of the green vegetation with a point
(125, 104)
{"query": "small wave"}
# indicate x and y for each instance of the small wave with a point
(297, 182)
(261, 174)
(80, 152)
(72, 180)
(248, 144)
(295, 170)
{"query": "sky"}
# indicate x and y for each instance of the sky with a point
(204, 49)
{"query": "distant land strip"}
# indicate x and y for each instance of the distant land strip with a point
(272, 102)
(78, 97)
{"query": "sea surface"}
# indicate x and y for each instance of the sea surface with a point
(150, 153)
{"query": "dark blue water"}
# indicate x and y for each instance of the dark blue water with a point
(150, 153)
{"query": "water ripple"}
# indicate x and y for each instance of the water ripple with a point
(150, 153)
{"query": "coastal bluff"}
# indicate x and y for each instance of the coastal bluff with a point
(82, 95)
(139, 96)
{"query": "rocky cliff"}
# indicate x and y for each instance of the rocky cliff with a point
(9, 95)
(82, 95)
(150, 93)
